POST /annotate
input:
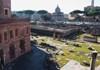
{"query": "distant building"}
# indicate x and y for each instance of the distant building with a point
(88, 8)
(92, 3)
(66, 16)
(57, 15)
(36, 17)
(72, 16)
(91, 6)
(14, 34)
(75, 17)
(21, 14)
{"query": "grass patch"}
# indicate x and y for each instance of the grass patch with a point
(83, 50)
(62, 62)
(79, 53)
(56, 41)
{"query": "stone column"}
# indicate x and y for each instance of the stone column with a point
(54, 34)
(93, 60)
(96, 39)
(58, 37)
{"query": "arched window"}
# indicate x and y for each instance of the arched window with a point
(22, 45)
(6, 11)
(27, 30)
(12, 51)
(0, 38)
(5, 35)
(11, 34)
(16, 32)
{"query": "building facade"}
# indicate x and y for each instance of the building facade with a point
(21, 15)
(36, 17)
(5, 9)
(57, 15)
(89, 7)
(14, 35)
(92, 18)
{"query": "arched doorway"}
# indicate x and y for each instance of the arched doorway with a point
(22, 45)
(12, 51)
(1, 59)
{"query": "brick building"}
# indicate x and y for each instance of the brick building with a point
(14, 34)
(5, 9)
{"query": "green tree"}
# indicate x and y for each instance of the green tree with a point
(42, 11)
(94, 12)
(19, 11)
(77, 12)
(29, 12)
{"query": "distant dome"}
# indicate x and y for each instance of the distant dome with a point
(57, 10)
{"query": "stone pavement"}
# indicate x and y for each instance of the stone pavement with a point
(74, 65)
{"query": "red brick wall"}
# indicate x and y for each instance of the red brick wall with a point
(5, 4)
(22, 33)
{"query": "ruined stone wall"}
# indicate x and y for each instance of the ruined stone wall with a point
(91, 39)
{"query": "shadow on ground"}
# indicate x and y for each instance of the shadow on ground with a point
(74, 36)
(37, 59)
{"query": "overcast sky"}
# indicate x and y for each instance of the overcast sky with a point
(50, 5)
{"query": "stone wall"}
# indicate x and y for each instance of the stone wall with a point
(91, 39)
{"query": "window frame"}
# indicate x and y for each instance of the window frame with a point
(6, 11)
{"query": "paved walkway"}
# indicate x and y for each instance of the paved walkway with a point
(74, 65)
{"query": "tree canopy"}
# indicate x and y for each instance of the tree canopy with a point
(26, 12)
(76, 12)
(19, 11)
(29, 12)
(42, 11)
(94, 12)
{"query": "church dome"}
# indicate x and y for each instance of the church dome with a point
(57, 10)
